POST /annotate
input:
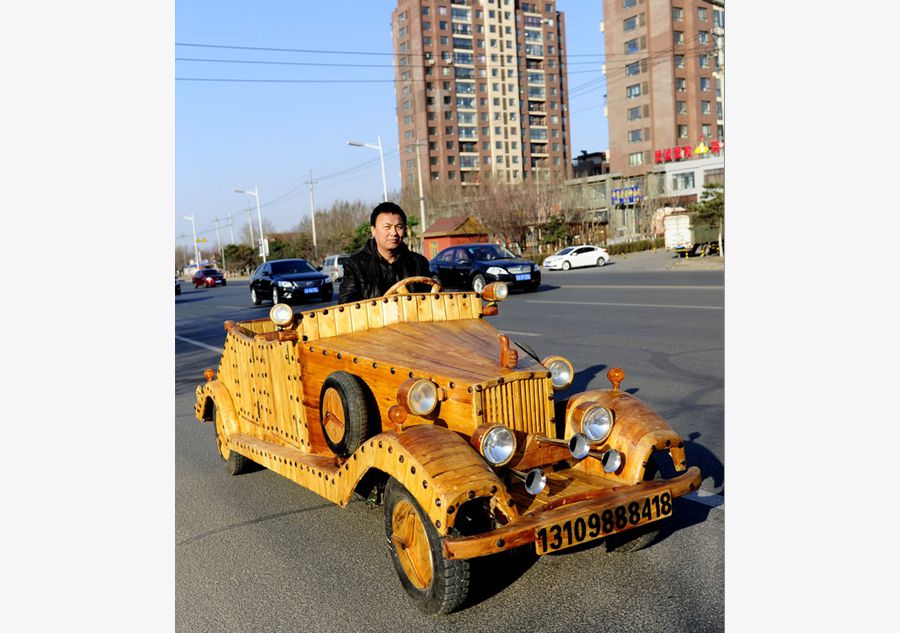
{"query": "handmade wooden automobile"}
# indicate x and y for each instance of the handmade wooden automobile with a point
(414, 400)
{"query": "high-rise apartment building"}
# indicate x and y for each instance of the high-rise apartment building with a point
(481, 90)
(663, 79)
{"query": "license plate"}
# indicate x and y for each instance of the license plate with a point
(595, 525)
(310, 291)
(524, 277)
(218, 281)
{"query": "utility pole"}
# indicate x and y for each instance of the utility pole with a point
(231, 227)
(219, 243)
(312, 212)
(250, 222)
(421, 200)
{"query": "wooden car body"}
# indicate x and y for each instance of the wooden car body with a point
(267, 402)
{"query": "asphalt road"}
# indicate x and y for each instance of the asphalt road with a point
(259, 553)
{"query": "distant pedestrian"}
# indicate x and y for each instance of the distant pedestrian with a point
(384, 260)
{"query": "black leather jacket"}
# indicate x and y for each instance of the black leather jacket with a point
(367, 274)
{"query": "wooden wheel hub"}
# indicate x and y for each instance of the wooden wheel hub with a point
(333, 415)
(411, 544)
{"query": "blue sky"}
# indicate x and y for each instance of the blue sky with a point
(271, 135)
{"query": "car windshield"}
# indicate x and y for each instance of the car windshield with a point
(209, 271)
(566, 250)
(489, 252)
(292, 266)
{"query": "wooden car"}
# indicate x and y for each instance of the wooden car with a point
(413, 400)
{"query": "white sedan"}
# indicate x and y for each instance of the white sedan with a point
(577, 256)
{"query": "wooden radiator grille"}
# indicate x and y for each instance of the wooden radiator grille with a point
(522, 405)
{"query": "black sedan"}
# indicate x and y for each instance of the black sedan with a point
(289, 281)
(476, 265)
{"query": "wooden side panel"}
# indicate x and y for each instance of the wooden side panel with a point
(391, 310)
(327, 325)
(343, 323)
(374, 314)
(359, 317)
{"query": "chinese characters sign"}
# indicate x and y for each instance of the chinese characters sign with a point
(626, 195)
(687, 151)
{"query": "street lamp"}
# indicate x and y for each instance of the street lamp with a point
(380, 153)
(194, 231)
(262, 237)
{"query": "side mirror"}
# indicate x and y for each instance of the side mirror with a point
(266, 273)
(318, 268)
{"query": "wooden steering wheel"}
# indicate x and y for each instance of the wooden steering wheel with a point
(400, 288)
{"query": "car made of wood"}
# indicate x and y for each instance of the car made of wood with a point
(415, 402)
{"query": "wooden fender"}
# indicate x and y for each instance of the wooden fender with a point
(637, 431)
(221, 399)
(439, 468)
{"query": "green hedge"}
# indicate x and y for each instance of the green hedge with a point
(634, 247)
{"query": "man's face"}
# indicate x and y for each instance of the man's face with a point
(388, 231)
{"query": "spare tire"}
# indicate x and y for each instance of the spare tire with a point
(343, 413)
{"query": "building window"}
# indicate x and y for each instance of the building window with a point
(678, 37)
(704, 84)
(631, 46)
(628, 3)
(704, 60)
(635, 136)
(630, 24)
(680, 84)
(679, 61)
(704, 107)
(682, 130)
(442, 25)
(701, 14)
(683, 181)
(703, 37)
(426, 26)
(681, 107)
(636, 158)
(634, 91)
(632, 69)
(706, 130)
(714, 177)
(425, 10)
(677, 14)
(634, 113)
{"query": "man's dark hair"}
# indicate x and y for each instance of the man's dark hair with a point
(387, 207)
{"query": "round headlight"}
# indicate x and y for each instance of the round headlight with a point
(597, 423)
(496, 271)
(285, 284)
(611, 460)
(281, 314)
(422, 397)
(561, 371)
(498, 445)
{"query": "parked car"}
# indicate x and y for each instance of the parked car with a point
(289, 281)
(415, 402)
(577, 257)
(177, 286)
(209, 278)
(476, 265)
(333, 265)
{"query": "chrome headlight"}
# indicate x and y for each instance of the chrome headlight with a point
(422, 397)
(285, 284)
(496, 270)
(561, 371)
(498, 445)
(611, 460)
(281, 314)
(596, 423)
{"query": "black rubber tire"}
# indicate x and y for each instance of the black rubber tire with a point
(224, 282)
(478, 280)
(601, 262)
(449, 585)
(356, 412)
(177, 290)
(235, 463)
(566, 265)
(254, 298)
(275, 298)
(640, 537)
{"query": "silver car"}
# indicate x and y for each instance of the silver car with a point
(334, 266)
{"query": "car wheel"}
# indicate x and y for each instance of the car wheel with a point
(601, 262)
(343, 413)
(224, 282)
(566, 265)
(254, 298)
(434, 583)
(275, 297)
(177, 290)
(235, 463)
(478, 283)
(640, 537)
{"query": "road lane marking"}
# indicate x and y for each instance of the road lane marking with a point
(706, 498)
(217, 350)
(614, 287)
(627, 305)
(521, 333)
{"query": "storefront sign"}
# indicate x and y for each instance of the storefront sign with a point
(626, 195)
(687, 151)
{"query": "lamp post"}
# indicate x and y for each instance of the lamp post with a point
(194, 231)
(262, 236)
(381, 154)
(421, 198)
